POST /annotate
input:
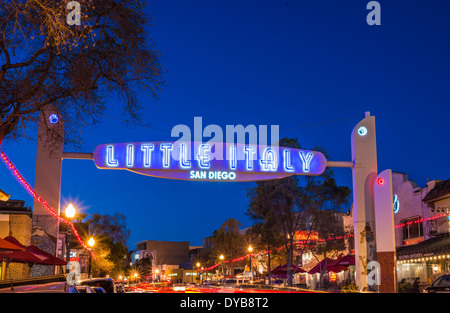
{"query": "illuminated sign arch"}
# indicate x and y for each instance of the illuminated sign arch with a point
(209, 161)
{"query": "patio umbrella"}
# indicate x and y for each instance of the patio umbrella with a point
(319, 266)
(20, 256)
(6, 245)
(281, 276)
(282, 269)
(336, 269)
(49, 258)
(344, 261)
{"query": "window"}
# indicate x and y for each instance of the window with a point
(413, 228)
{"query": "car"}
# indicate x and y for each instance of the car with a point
(120, 288)
(98, 290)
(234, 282)
(105, 282)
(84, 289)
(54, 287)
(440, 285)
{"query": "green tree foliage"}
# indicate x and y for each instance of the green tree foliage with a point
(282, 207)
(229, 241)
(111, 235)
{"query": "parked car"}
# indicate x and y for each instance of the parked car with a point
(440, 285)
(98, 290)
(55, 287)
(119, 288)
(106, 283)
(85, 289)
(234, 282)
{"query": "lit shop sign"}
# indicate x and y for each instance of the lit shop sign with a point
(396, 204)
(209, 161)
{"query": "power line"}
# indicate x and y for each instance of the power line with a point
(323, 123)
(284, 130)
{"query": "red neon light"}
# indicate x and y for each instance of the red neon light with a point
(279, 248)
(27, 186)
(422, 220)
(380, 181)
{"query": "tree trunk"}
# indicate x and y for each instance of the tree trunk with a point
(290, 251)
(268, 263)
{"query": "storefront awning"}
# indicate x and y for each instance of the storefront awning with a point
(430, 247)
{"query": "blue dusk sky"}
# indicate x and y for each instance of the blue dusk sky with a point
(312, 67)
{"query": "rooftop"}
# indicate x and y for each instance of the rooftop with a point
(441, 190)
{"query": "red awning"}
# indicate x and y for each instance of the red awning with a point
(20, 256)
(320, 266)
(49, 258)
(336, 266)
(336, 269)
(282, 269)
(6, 245)
(344, 261)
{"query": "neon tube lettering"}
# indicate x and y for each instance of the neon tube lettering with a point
(147, 157)
(110, 161)
(233, 158)
(184, 163)
(130, 155)
(288, 167)
(249, 153)
(203, 157)
(166, 148)
(269, 160)
(306, 160)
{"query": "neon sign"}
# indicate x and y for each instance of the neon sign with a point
(201, 162)
(396, 204)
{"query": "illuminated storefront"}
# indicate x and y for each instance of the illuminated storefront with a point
(422, 225)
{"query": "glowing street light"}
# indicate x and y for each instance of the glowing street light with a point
(250, 249)
(221, 257)
(91, 243)
(157, 274)
(70, 213)
(198, 278)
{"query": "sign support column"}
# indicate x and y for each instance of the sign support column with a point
(45, 227)
(364, 172)
(384, 217)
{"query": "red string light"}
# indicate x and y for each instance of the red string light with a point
(276, 249)
(421, 220)
(27, 187)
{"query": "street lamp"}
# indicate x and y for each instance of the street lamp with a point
(70, 213)
(221, 257)
(91, 243)
(250, 249)
(198, 278)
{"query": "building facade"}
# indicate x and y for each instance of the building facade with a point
(422, 225)
(163, 255)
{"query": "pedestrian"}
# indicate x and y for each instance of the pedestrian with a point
(416, 285)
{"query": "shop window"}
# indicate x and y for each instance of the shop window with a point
(413, 228)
